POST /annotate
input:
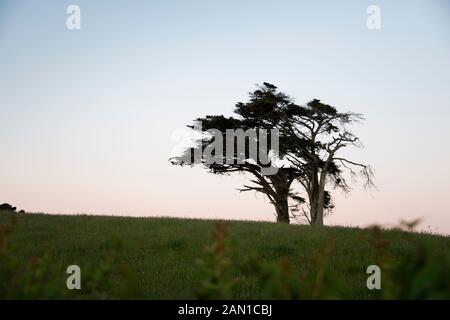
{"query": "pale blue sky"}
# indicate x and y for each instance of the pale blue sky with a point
(87, 115)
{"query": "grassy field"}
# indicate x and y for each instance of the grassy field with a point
(164, 258)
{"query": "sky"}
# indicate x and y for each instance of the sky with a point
(89, 116)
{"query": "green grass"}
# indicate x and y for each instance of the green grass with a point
(163, 253)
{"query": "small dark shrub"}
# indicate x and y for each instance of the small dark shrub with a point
(7, 206)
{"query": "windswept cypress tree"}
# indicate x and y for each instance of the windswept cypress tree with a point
(309, 140)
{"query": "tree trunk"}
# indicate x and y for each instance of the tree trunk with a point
(317, 204)
(316, 200)
(316, 212)
(319, 215)
(282, 209)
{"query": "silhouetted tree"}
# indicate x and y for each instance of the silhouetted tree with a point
(7, 206)
(310, 137)
(314, 136)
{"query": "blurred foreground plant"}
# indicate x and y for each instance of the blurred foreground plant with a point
(44, 278)
(216, 282)
(423, 273)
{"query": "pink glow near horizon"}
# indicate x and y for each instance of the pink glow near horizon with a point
(88, 115)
